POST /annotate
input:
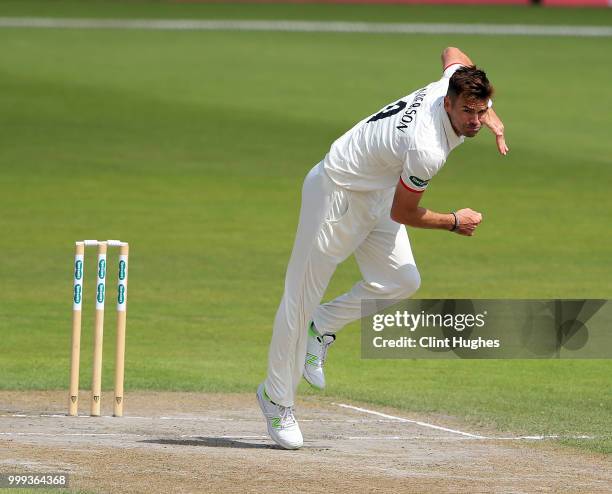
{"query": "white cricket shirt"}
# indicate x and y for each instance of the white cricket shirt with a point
(408, 140)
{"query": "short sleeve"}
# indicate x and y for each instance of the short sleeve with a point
(449, 70)
(419, 168)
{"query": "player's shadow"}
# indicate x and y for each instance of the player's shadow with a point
(212, 442)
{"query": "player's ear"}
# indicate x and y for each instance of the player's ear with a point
(447, 104)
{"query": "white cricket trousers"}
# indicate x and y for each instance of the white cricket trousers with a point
(334, 223)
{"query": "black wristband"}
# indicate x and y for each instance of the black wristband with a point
(456, 221)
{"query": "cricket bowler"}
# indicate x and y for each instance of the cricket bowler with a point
(358, 200)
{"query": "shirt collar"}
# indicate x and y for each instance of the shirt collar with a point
(451, 138)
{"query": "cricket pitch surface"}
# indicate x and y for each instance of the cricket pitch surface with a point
(194, 442)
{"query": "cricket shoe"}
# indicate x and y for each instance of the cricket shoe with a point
(282, 426)
(316, 352)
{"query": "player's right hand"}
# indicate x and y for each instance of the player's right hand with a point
(468, 220)
(493, 122)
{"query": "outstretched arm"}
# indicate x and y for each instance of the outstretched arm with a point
(495, 125)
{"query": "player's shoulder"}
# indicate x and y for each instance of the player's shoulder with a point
(420, 166)
(450, 69)
(440, 86)
(428, 157)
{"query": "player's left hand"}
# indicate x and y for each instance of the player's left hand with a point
(493, 122)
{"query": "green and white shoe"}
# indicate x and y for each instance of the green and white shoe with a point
(282, 426)
(316, 352)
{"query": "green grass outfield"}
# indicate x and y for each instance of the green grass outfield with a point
(187, 9)
(193, 146)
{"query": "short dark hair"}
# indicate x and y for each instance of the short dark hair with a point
(471, 81)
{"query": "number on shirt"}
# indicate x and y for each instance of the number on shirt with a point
(389, 111)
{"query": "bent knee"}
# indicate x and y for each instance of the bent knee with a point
(407, 282)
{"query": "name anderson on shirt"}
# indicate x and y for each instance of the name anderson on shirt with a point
(411, 111)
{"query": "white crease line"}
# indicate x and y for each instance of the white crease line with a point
(308, 26)
(539, 438)
(421, 438)
(104, 434)
(417, 422)
(194, 419)
(63, 434)
(446, 429)
(381, 438)
(201, 437)
(63, 415)
(389, 418)
(197, 419)
(130, 434)
(126, 417)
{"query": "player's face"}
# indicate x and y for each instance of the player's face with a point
(465, 114)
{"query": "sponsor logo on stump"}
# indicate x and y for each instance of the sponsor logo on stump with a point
(102, 269)
(78, 269)
(77, 294)
(122, 270)
(100, 293)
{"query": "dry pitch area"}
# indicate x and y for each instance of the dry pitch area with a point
(190, 442)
